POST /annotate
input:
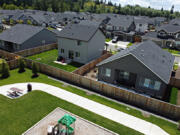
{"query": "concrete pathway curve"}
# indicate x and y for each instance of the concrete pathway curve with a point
(135, 123)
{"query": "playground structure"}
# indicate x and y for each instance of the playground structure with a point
(65, 126)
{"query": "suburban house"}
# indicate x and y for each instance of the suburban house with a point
(119, 24)
(143, 67)
(21, 36)
(166, 36)
(142, 24)
(80, 43)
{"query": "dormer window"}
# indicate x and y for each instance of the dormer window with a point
(79, 42)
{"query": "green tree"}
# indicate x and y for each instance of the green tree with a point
(172, 9)
(5, 70)
(29, 22)
(22, 66)
(11, 21)
(35, 70)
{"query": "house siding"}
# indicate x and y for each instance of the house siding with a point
(68, 44)
(42, 38)
(88, 50)
(130, 64)
(96, 46)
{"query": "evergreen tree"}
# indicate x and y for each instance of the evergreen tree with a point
(34, 70)
(172, 9)
(22, 66)
(5, 70)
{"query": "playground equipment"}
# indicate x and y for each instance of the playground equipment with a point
(65, 126)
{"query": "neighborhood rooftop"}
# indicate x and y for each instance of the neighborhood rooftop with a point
(170, 28)
(78, 32)
(19, 33)
(152, 56)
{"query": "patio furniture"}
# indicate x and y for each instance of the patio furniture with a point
(17, 90)
(13, 94)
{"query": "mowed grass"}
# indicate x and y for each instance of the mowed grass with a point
(18, 115)
(26, 77)
(49, 57)
(173, 96)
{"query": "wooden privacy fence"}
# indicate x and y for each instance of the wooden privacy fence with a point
(147, 103)
(84, 69)
(36, 50)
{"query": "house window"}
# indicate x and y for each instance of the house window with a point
(43, 41)
(154, 85)
(124, 75)
(157, 85)
(77, 54)
(17, 47)
(79, 42)
(146, 82)
(108, 72)
(140, 25)
(62, 50)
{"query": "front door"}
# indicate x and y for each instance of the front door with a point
(71, 54)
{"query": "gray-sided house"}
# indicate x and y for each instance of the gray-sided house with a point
(80, 43)
(21, 36)
(143, 67)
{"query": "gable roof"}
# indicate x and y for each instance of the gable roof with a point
(169, 28)
(151, 55)
(78, 32)
(19, 33)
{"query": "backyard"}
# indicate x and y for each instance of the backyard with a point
(173, 96)
(49, 57)
(43, 103)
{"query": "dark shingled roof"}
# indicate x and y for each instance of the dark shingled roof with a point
(169, 28)
(19, 33)
(160, 62)
(78, 32)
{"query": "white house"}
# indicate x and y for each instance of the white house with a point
(80, 43)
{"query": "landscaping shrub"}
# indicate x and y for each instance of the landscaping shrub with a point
(34, 70)
(22, 66)
(5, 70)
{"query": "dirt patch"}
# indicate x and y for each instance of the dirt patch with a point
(92, 74)
(82, 126)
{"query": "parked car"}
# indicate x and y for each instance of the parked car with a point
(115, 39)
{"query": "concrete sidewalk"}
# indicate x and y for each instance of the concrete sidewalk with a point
(137, 124)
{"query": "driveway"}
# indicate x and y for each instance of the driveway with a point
(114, 46)
(135, 123)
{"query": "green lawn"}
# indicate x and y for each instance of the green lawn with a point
(174, 52)
(25, 77)
(173, 96)
(176, 66)
(130, 44)
(18, 115)
(108, 39)
(49, 57)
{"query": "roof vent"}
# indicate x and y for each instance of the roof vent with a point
(163, 61)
